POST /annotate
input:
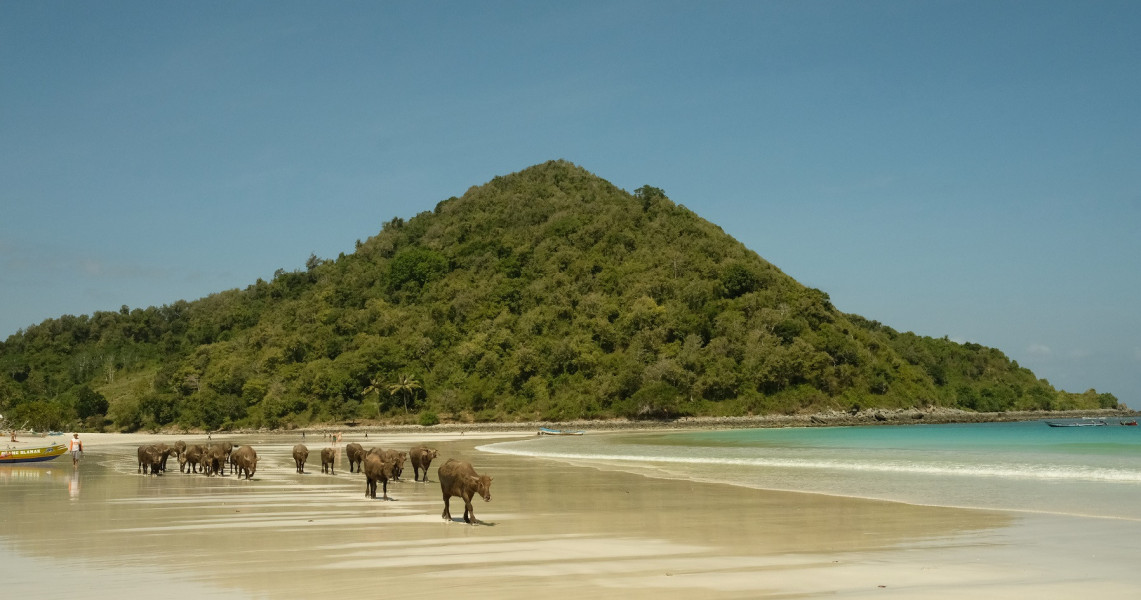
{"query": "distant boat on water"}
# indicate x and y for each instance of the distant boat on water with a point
(546, 431)
(1082, 423)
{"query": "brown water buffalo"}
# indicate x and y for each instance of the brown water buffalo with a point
(228, 448)
(246, 461)
(421, 458)
(164, 453)
(191, 459)
(376, 469)
(300, 455)
(458, 478)
(355, 452)
(150, 460)
(179, 448)
(233, 464)
(328, 455)
(396, 457)
(214, 460)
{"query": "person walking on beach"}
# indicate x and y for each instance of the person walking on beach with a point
(76, 448)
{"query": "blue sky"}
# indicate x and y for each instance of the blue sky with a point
(968, 169)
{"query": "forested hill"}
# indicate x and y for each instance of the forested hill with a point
(547, 294)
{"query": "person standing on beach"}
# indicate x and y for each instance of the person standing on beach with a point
(76, 448)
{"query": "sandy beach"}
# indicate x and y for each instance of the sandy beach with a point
(551, 528)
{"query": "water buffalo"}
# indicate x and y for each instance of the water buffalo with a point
(300, 455)
(328, 455)
(246, 460)
(458, 478)
(227, 449)
(421, 457)
(179, 448)
(164, 453)
(355, 452)
(191, 459)
(396, 457)
(214, 460)
(232, 462)
(150, 460)
(376, 469)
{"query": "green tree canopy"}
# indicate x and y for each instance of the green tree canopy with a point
(543, 294)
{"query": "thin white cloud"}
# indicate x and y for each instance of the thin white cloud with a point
(19, 262)
(1040, 350)
(101, 269)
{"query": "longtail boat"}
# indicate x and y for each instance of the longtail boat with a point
(23, 454)
(546, 431)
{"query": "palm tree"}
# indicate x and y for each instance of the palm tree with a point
(406, 385)
(374, 386)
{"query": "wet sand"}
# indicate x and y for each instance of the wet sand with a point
(551, 528)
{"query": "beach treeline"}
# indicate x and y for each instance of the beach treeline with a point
(547, 294)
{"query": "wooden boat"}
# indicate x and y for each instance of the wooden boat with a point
(23, 454)
(1077, 424)
(546, 431)
(1132, 423)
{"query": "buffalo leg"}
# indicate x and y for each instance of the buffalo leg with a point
(447, 508)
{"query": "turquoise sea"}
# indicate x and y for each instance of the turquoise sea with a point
(1025, 466)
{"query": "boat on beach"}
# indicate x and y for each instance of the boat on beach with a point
(16, 451)
(30, 453)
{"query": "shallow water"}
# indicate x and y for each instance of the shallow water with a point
(1085, 471)
(107, 532)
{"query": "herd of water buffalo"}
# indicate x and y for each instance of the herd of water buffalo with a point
(457, 478)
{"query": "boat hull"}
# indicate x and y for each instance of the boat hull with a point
(546, 431)
(10, 456)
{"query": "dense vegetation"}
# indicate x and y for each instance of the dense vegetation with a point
(548, 294)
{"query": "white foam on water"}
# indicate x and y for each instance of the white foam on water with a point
(1014, 470)
(1000, 468)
